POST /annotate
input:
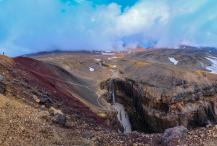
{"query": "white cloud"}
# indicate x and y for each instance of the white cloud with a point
(142, 17)
(36, 25)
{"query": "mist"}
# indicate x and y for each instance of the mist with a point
(29, 26)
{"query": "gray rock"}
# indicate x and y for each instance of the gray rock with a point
(59, 119)
(173, 133)
(45, 100)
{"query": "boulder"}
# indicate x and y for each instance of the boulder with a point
(172, 134)
(57, 116)
(59, 119)
(45, 100)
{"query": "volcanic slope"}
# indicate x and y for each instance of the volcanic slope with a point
(39, 107)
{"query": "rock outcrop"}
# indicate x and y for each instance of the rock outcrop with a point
(155, 114)
(2, 85)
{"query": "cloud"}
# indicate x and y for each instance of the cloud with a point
(37, 25)
(141, 17)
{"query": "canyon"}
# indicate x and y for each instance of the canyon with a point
(134, 97)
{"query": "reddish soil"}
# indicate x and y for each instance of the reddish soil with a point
(42, 76)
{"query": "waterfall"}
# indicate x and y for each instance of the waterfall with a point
(113, 91)
(122, 114)
(113, 96)
(123, 117)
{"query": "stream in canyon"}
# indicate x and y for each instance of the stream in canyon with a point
(123, 117)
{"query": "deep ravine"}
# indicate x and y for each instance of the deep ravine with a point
(122, 115)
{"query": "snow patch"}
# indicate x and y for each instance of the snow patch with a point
(91, 69)
(173, 60)
(123, 117)
(213, 66)
(114, 66)
(109, 53)
(98, 60)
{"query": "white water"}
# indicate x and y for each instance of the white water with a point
(173, 60)
(123, 117)
(213, 67)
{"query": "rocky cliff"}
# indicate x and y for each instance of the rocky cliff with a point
(155, 114)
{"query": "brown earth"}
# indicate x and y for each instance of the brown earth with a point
(156, 94)
(29, 99)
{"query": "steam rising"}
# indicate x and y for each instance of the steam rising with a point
(28, 26)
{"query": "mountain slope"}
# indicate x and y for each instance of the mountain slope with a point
(38, 109)
(72, 91)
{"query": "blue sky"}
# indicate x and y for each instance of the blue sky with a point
(124, 3)
(28, 26)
